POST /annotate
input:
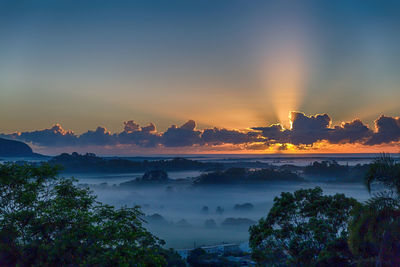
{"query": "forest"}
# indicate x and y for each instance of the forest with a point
(47, 220)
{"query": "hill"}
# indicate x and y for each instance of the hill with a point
(246, 176)
(12, 148)
(90, 163)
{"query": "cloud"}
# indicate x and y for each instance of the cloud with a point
(149, 128)
(301, 122)
(350, 132)
(55, 136)
(387, 130)
(218, 136)
(274, 132)
(139, 138)
(134, 134)
(190, 125)
(98, 137)
(305, 131)
(185, 135)
(131, 126)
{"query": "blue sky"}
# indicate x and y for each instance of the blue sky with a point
(233, 64)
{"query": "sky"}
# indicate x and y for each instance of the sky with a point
(233, 67)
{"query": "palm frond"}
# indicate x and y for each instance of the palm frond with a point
(384, 170)
(385, 200)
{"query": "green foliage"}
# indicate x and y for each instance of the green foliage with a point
(246, 176)
(385, 171)
(172, 257)
(375, 227)
(326, 168)
(200, 258)
(48, 221)
(375, 236)
(195, 256)
(148, 178)
(333, 170)
(304, 228)
(336, 253)
(74, 163)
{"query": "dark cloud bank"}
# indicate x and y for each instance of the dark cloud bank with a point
(305, 130)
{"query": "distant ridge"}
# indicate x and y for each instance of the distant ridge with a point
(12, 148)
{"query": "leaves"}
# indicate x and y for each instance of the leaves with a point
(385, 171)
(299, 226)
(375, 227)
(48, 221)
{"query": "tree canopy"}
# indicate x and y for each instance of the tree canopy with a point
(246, 176)
(48, 221)
(375, 228)
(304, 228)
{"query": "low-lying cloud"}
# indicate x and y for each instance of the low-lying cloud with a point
(304, 130)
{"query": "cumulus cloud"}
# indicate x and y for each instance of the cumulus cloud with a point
(149, 128)
(218, 136)
(55, 136)
(305, 131)
(308, 129)
(274, 132)
(131, 126)
(301, 122)
(139, 138)
(185, 135)
(190, 125)
(387, 130)
(98, 137)
(350, 132)
(134, 134)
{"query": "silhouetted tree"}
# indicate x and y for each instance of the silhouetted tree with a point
(48, 221)
(375, 227)
(304, 228)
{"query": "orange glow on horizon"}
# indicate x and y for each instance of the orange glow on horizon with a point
(322, 147)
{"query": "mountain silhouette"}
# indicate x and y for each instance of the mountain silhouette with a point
(12, 148)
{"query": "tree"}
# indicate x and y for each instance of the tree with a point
(48, 221)
(375, 228)
(195, 256)
(304, 228)
(173, 259)
(200, 258)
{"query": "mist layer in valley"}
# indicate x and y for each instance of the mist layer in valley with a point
(204, 200)
(184, 216)
(190, 208)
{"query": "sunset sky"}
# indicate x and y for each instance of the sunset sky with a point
(233, 67)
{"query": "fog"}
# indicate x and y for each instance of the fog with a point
(116, 179)
(182, 205)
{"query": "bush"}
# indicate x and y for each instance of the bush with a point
(48, 221)
(304, 228)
